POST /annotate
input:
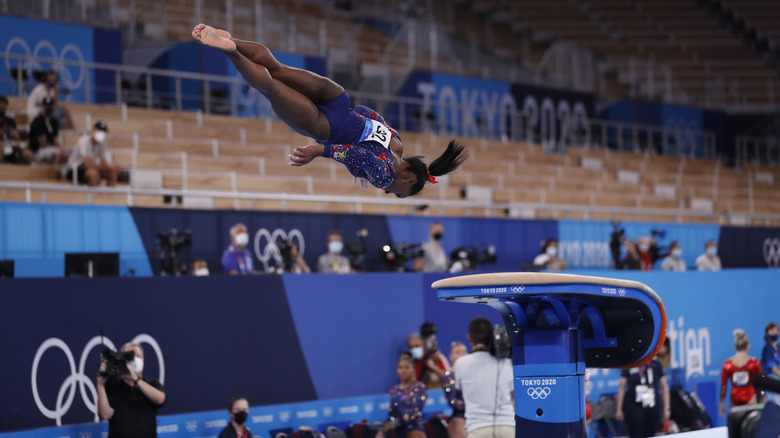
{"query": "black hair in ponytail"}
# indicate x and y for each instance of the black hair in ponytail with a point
(447, 162)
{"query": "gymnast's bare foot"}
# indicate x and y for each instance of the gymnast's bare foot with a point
(216, 38)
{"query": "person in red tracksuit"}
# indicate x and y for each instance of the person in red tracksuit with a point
(740, 370)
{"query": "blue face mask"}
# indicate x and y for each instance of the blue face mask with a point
(48, 111)
(772, 338)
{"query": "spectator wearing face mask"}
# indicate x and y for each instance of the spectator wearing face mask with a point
(674, 261)
(90, 159)
(709, 261)
(434, 257)
(549, 259)
(44, 144)
(333, 262)
(238, 408)
(237, 260)
(649, 253)
(48, 88)
(9, 136)
(200, 268)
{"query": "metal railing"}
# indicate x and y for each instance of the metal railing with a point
(421, 206)
(757, 150)
(555, 130)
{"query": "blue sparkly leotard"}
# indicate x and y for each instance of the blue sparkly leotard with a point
(356, 140)
(406, 406)
(454, 396)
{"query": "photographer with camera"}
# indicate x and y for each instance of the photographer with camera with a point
(292, 262)
(433, 257)
(641, 254)
(237, 260)
(127, 400)
(488, 395)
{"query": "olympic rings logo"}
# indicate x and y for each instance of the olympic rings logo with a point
(45, 47)
(538, 393)
(518, 289)
(68, 389)
(772, 252)
(270, 250)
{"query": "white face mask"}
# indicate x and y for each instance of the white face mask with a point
(100, 136)
(201, 272)
(137, 365)
(552, 251)
(677, 252)
(335, 246)
(242, 239)
(643, 247)
(417, 353)
(713, 251)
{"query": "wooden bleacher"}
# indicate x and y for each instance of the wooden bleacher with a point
(511, 173)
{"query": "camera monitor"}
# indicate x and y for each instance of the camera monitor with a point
(92, 264)
(6, 268)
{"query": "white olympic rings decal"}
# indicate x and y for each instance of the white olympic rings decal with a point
(538, 393)
(58, 65)
(518, 289)
(271, 250)
(772, 252)
(78, 376)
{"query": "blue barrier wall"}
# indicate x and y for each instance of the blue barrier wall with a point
(38, 235)
(289, 339)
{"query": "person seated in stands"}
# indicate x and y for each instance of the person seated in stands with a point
(90, 159)
(407, 400)
(48, 88)
(549, 259)
(9, 135)
(44, 144)
(434, 258)
(709, 261)
(200, 268)
(333, 262)
(237, 260)
(649, 253)
(674, 261)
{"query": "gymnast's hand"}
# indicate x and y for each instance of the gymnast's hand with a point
(303, 155)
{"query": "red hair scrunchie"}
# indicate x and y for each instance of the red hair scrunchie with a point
(431, 178)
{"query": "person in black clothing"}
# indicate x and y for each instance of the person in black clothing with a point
(238, 408)
(44, 142)
(643, 399)
(130, 402)
(9, 135)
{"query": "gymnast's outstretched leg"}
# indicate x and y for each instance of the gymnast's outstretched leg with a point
(295, 107)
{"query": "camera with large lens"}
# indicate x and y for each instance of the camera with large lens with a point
(116, 362)
(169, 244)
(357, 250)
(395, 255)
(500, 345)
(468, 258)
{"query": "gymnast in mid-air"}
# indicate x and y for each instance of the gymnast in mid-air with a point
(319, 108)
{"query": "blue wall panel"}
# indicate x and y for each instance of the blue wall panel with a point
(38, 236)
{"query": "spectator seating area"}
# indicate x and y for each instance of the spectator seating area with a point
(170, 150)
(680, 48)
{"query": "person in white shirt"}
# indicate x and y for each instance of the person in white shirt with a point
(90, 159)
(674, 261)
(487, 386)
(549, 259)
(48, 88)
(434, 257)
(709, 261)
